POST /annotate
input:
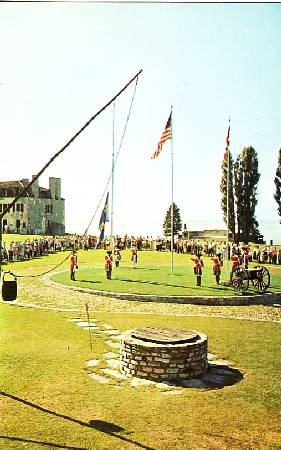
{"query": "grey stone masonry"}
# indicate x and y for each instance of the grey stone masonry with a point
(163, 361)
(38, 211)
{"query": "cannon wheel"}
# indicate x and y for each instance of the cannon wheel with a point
(239, 279)
(262, 282)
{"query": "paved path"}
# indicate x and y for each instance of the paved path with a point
(42, 292)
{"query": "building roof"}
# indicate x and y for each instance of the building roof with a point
(13, 188)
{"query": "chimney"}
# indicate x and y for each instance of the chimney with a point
(55, 188)
(35, 187)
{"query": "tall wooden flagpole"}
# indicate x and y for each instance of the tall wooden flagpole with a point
(227, 195)
(167, 134)
(172, 207)
(112, 176)
(28, 186)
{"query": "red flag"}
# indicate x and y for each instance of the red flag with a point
(227, 144)
(227, 137)
(167, 134)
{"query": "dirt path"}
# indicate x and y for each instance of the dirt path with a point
(42, 292)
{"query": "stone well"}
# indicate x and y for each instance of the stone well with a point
(164, 354)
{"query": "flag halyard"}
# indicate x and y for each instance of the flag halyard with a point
(167, 134)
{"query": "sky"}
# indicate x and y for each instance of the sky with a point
(62, 62)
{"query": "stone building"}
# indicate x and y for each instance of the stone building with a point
(207, 234)
(38, 211)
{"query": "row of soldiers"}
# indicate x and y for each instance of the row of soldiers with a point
(108, 264)
(218, 263)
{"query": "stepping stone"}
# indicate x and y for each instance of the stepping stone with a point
(73, 320)
(85, 324)
(212, 356)
(194, 383)
(110, 331)
(115, 364)
(90, 327)
(108, 327)
(112, 344)
(172, 392)
(111, 355)
(137, 382)
(99, 378)
(115, 373)
(165, 385)
(219, 370)
(220, 362)
(213, 378)
(92, 362)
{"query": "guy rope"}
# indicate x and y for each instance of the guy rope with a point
(28, 186)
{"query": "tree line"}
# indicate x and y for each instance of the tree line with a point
(240, 180)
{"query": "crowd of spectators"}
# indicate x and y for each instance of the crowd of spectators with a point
(31, 248)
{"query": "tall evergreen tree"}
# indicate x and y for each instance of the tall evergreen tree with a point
(277, 181)
(246, 178)
(176, 221)
(227, 180)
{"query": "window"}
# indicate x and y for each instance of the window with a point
(22, 207)
(1, 207)
(24, 225)
(49, 209)
(18, 207)
(17, 224)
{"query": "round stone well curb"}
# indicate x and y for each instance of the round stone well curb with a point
(163, 361)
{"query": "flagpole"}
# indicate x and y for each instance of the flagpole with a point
(227, 202)
(172, 189)
(112, 176)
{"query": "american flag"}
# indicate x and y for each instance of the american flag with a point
(167, 134)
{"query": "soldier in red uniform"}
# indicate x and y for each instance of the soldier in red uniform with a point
(108, 264)
(197, 268)
(217, 265)
(236, 261)
(73, 265)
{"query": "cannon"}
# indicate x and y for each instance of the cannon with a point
(259, 276)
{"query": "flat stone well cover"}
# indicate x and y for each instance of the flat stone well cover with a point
(165, 335)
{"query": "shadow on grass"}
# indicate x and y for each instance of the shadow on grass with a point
(48, 444)
(151, 282)
(89, 281)
(100, 425)
(156, 283)
(216, 377)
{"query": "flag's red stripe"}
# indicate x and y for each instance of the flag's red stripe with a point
(167, 134)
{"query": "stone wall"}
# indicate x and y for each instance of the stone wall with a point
(163, 362)
(39, 213)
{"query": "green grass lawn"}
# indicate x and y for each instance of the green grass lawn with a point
(49, 401)
(153, 275)
(7, 238)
